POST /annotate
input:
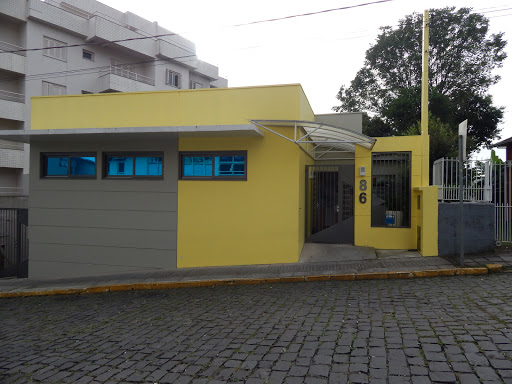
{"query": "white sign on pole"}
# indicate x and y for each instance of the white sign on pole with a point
(463, 131)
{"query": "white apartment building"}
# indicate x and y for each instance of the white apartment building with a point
(145, 63)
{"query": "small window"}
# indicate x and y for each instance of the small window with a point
(391, 189)
(195, 85)
(133, 165)
(88, 55)
(68, 165)
(54, 48)
(86, 92)
(52, 89)
(173, 78)
(213, 165)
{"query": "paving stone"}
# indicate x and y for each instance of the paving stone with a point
(323, 332)
(486, 373)
(468, 378)
(319, 370)
(443, 377)
(358, 378)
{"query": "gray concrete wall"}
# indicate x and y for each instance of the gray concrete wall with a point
(349, 120)
(102, 226)
(478, 228)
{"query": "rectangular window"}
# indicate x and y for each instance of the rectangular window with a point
(52, 49)
(391, 189)
(173, 78)
(68, 165)
(195, 85)
(51, 89)
(88, 55)
(213, 165)
(133, 165)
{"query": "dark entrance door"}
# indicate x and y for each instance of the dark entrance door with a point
(330, 204)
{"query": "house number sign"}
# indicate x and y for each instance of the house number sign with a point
(362, 187)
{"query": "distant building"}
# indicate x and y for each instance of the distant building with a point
(507, 144)
(155, 63)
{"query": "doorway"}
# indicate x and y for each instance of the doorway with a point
(330, 204)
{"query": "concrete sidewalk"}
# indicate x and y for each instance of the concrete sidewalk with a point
(322, 263)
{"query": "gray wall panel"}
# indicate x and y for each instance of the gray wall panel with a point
(135, 201)
(478, 228)
(104, 218)
(131, 238)
(79, 256)
(102, 226)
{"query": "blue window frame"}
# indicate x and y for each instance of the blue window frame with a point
(68, 165)
(133, 165)
(213, 165)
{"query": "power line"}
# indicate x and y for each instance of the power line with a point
(87, 44)
(311, 13)
(86, 71)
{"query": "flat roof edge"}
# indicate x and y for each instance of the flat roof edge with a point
(25, 136)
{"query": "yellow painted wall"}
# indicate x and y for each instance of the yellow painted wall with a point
(425, 217)
(171, 108)
(258, 221)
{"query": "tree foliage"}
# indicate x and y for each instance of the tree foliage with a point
(462, 58)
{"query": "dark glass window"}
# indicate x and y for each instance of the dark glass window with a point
(391, 189)
(68, 165)
(213, 165)
(133, 164)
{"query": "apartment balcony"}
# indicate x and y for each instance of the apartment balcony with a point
(51, 13)
(205, 69)
(219, 83)
(14, 8)
(117, 79)
(101, 29)
(11, 156)
(12, 106)
(175, 51)
(14, 62)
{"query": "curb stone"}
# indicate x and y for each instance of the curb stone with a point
(295, 279)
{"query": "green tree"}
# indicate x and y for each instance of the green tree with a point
(463, 56)
(443, 140)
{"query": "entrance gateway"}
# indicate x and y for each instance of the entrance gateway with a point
(329, 214)
(330, 204)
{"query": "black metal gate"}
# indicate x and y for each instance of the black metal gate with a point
(330, 204)
(13, 242)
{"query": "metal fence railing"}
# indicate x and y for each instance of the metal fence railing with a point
(12, 96)
(483, 181)
(120, 71)
(476, 179)
(4, 46)
(13, 242)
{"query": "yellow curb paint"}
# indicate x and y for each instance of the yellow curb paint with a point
(293, 279)
(471, 271)
(400, 275)
(317, 278)
(494, 267)
(344, 277)
(272, 280)
(434, 273)
(372, 276)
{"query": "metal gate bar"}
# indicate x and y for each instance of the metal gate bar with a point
(13, 242)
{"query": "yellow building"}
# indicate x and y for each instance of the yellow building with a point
(212, 177)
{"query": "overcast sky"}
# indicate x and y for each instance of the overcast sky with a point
(321, 52)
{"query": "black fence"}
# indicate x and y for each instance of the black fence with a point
(13, 242)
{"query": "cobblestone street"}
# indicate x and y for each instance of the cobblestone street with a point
(448, 329)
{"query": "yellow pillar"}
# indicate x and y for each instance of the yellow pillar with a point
(424, 104)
